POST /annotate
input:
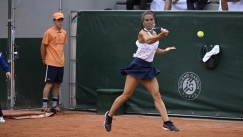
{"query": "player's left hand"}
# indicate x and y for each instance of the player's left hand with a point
(170, 48)
(8, 75)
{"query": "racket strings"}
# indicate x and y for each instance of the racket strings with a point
(157, 26)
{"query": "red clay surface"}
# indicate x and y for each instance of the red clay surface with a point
(83, 124)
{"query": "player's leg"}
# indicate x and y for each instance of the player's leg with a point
(1, 115)
(153, 87)
(130, 85)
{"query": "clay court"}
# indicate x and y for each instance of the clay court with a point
(89, 124)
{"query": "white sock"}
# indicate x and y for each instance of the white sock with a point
(54, 101)
(44, 102)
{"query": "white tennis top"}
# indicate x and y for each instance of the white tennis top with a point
(233, 6)
(158, 5)
(146, 51)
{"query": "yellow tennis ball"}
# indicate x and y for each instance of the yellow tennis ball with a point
(200, 34)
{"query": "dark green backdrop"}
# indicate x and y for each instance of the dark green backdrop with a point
(29, 81)
(106, 42)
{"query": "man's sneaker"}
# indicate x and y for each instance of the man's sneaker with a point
(55, 109)
(2, 120)
(107, 122)
(45, 109)
(168, 125)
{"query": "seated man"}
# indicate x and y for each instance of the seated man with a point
(231, 5)
(157, 5)
(175, 5)
(168, 4)
(142, 4)
(200, 4)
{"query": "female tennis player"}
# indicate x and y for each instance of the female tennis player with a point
(141, 70)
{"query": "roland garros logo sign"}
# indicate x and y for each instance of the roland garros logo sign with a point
(189, 86)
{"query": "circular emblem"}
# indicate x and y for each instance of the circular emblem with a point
(189, 86)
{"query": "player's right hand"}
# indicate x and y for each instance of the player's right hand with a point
(43, 61)
(8, 75)
(164, 32)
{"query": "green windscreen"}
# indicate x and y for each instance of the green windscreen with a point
(29, 74)
(106, 42)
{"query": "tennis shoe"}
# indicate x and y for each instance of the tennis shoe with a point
(55, 109)
(168, 125)
(2, 120)
(45, 109)
(107, 122)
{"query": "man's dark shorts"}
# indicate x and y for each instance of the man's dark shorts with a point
(54, 74)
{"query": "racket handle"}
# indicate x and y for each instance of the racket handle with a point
(157, 28)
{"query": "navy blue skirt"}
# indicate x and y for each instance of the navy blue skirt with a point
(140, 69)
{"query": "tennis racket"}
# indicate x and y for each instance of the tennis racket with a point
(157, 26)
